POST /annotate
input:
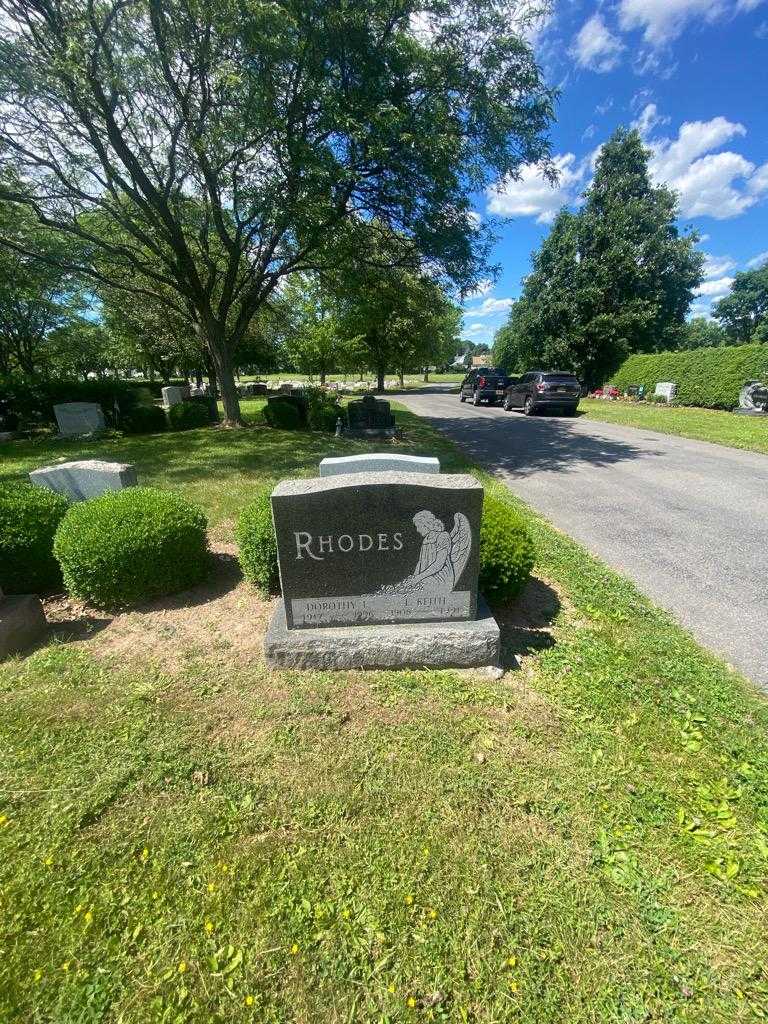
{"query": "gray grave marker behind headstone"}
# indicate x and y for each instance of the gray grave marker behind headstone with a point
(379, 462)
(75, 418)
(87, 478)
(173, 396)
(369, 548)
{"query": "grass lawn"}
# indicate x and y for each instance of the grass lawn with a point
(747, 432)
(187, 836)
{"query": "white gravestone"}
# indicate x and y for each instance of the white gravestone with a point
(87, 478)
(75, 418)
(173, 396)
(666, 389)
(379, 463)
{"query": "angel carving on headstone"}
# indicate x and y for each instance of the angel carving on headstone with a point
(442, 558)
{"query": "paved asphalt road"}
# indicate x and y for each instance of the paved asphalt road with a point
(686, 520)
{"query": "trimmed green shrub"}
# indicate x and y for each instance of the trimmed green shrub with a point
(506, 551)
(283, 414)
(323, 409)
(128, 546)
(189, 416)
(708, 377)
(29, 517)
(255, 534)
(144, 419)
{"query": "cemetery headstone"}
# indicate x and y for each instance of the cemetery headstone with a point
(370, 417)
(666, 389)
(379, 463)
(22, 623)
(173, 396)
(77, 418)
(753, 399)
(380, 570)
(86, 478)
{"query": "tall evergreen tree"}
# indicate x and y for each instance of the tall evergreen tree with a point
(615, 278)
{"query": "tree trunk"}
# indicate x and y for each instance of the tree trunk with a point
(380, 379)
(426, 375)
(225, 377)
(322, 378)
(213, 391)
(401, 378)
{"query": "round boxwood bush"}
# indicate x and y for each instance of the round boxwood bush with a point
(144, 419)
(283, 415)
(255, 535)
(29, 517)
(189, 415)
(506, 551)
(128, 546)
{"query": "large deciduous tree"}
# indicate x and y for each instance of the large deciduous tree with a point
(616, 277)
(743, 313)
(203, 151)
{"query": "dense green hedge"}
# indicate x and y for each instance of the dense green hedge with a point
(507, 553)
(189, 415)
(707, 377)
(132, 545)
(144, 419)
(257, 544)
(29, 516)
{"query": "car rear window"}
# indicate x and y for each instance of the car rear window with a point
(569, 377)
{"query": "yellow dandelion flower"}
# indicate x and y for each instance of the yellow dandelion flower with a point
(48, 861)
(38, 974)
(209, 926)
(511, 961)
(78, 908)
(224, 868)
(391, 989)
(88, 917)
(182, 967)
(294, 949)
(65, 965)
(211, 887)
(345, 914)
(409, 899)
(514, 987)
(411, 1002)
(4, 820)
(155, 895)
(145, 854)
(433, 914)
(425, 851)
(249, 1000)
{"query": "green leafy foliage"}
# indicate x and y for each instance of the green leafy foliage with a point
(29, 516)
(323, 409)
(189, 416)
(144, 419)
(707, 377)
(255, 534)
(131, 545)
(506, 551)
(743, 313)
(284, 414)
(615, 278)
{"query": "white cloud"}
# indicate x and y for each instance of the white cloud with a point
(648, 119)
(588, 132)
(662, 21)
(531, 195)
(489, 308)
(715, 289)
(605, 106)
(480, 329)
(716, 266)
(758, 261)
(596, 47)
(483, 287)
(719, 185)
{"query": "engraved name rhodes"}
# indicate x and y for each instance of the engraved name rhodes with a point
(369, 548)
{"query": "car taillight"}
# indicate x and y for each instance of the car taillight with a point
(541, 387)
(481, 382)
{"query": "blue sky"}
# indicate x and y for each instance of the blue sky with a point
(693, 76)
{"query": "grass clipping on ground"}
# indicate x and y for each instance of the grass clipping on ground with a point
(193, 837)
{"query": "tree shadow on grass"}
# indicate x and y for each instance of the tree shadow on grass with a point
(525, 626)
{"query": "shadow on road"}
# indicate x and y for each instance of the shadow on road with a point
(521, 446)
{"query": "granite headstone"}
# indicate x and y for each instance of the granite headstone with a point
(76, 418)
(22, 623)
(370, 417)
(379, 462)
(378, 548)
(86, 478)
(174, 396)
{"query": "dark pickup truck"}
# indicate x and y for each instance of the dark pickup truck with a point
(483, 384)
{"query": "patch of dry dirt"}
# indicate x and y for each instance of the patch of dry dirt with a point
(222, 622)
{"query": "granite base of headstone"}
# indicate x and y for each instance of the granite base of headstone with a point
(370, 417)
(22, 623)
(86, 478)
(379, 462)
(75, 419)
(380, 570)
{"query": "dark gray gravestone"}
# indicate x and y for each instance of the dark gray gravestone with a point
(373, 548)
(76, 418)
(370, 417)
(22, 623)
